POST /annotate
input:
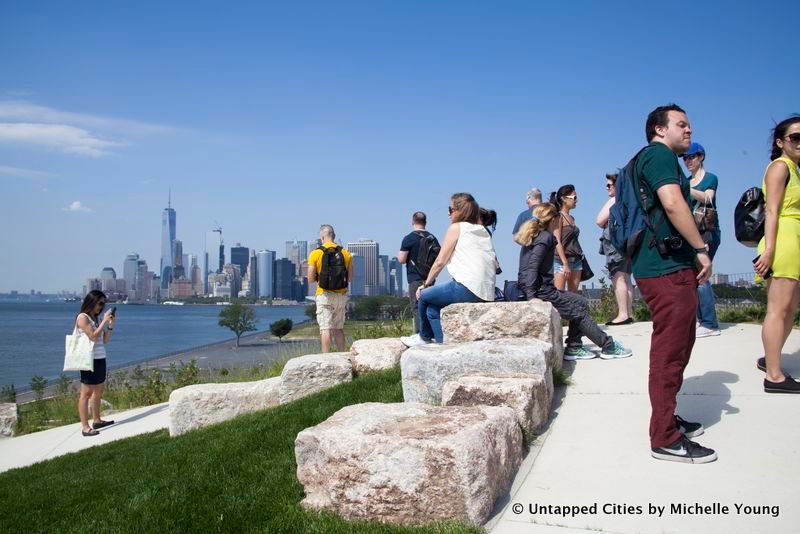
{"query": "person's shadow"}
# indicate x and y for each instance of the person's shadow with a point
(705, 398)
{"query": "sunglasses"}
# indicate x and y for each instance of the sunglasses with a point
(794, 138)
(450, 210)
(102, 303)
(609, 186)
(571, 197)
(690, 157)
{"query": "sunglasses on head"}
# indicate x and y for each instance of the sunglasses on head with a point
(690, 157)
(794, 138)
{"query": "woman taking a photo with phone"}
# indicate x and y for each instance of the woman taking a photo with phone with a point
(93, 382)
(779, 252)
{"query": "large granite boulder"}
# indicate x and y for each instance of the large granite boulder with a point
(426, 368)
(201, 405)
(369, 355)
(409, 463)
(8, 418)
(306, 375)
(526, 395)
(498, 320)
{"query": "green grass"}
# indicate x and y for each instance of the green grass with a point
(358, 329)
(236, 476)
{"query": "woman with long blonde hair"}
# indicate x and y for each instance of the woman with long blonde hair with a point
(536, 281)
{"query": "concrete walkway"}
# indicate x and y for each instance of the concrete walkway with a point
(32, 448)
(596, 452)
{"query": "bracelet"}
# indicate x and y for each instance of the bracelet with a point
(110, 329)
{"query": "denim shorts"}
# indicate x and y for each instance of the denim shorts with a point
(558, 267)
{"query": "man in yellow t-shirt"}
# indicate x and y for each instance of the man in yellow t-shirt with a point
(332, 298)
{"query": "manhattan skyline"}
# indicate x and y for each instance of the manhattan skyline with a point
(270, 119)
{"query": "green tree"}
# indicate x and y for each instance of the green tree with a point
(38, 383)
(280, 328)
(238, 318)
(311, 311)
(8, 393)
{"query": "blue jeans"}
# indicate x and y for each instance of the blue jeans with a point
(706, 308)
(431, 302)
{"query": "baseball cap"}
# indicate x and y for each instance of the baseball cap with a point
(695, 148)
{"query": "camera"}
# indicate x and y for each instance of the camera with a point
(669, 244)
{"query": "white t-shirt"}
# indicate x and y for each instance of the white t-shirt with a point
(99, 350)
(472, 263)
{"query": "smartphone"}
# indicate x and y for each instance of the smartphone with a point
(769, 272)
(113, 311)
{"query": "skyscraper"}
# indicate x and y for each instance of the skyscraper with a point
(129, 267)
(383, 274)
(395, 277)
(297, 253)
(265, 260)
(368, 249)
(167, 240)
(240, 256)
(178, 267)
(284, 276)
(358, 284)
(252, 271)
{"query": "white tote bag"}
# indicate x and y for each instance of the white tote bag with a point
(79, 353)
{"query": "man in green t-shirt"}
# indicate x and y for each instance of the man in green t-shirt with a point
(666, 269)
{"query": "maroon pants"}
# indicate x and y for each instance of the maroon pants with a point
(672, 300)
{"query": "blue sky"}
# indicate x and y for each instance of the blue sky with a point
(272, 118)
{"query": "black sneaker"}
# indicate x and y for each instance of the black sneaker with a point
(686, 451)
(761, 363)
(690, 430)
(790, 385)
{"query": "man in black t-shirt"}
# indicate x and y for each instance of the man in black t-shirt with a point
(409, 249)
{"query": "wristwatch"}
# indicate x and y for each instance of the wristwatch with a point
(701, 250)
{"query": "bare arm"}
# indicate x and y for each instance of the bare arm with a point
(402, 256)
(350, 272)
(776, 186)
(602, 216)
(678, 213)
(86, 326)
(559, 249)
(449, 245)
(700, 196)
(312, 274)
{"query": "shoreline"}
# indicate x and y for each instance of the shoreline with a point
(256, 348)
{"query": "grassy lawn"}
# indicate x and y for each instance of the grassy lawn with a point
(357, 329)
(235, 476)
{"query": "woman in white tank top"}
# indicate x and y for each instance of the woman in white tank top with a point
(469, 255)
(93, 382)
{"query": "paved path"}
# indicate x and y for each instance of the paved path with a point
(596, 449)
(39, 446)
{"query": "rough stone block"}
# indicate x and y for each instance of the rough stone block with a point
(201, 405)
(526, 395)
(426, 368)
(306, 375)
(368, 355)
(498, 320)
(409, 463)
(8, 418)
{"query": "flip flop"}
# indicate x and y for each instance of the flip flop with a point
(91, 432)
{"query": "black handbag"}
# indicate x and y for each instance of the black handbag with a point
(586, 270)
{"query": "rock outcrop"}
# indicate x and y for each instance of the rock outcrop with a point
(528, 396)
(368, 355)
(499, 320)
(409, 463)
(425, 369)
(305, 375)
(201, 405)
(8, 418)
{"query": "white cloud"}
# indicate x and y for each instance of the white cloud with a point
(18, 172)
(67, 139)
(16, 110)
(77, 207)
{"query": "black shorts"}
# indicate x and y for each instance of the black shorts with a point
(98, 376)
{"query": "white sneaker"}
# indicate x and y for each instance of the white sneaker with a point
(702, 331)
(414, 341)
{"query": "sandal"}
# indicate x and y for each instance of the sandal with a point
(91, 432)
(101, 424)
